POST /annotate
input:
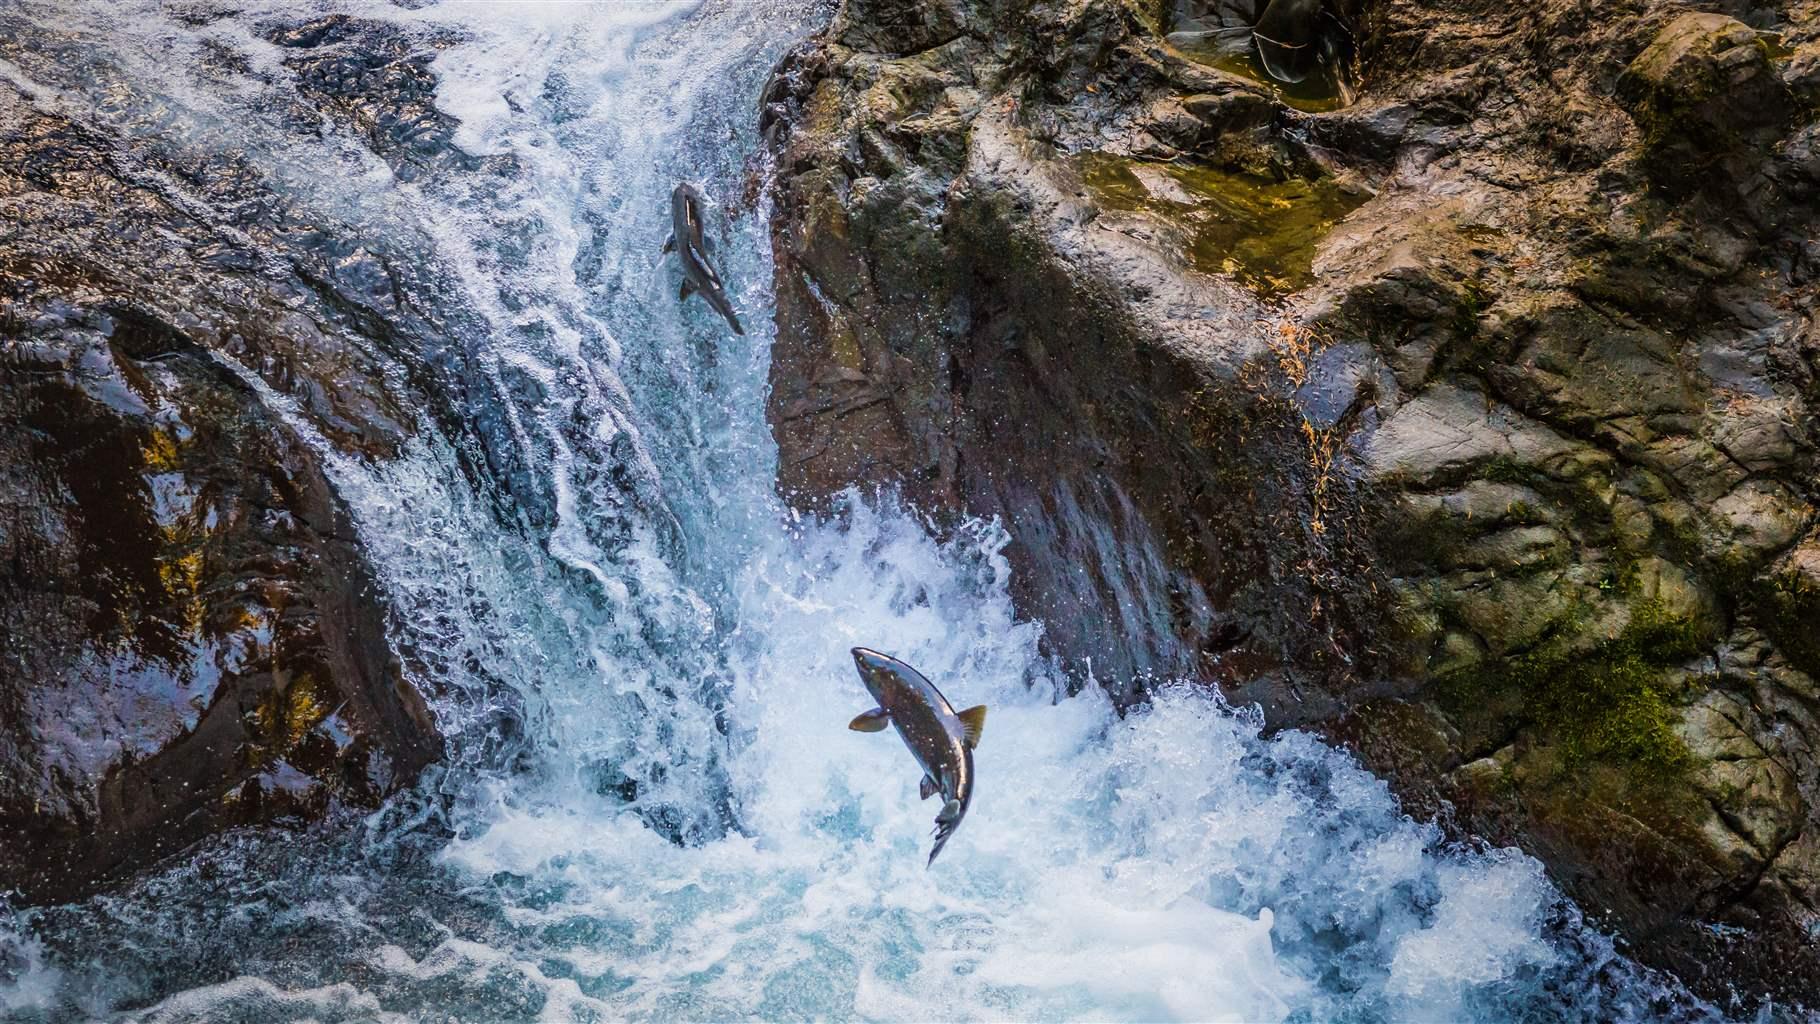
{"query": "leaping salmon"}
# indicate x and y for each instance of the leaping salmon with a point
(941, 739)
(692, 248)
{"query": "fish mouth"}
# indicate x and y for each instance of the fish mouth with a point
(871, 668)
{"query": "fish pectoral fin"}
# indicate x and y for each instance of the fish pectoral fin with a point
(670, 244)
(687, 289)
(928, 788)
(950, 811)
(871, 721)
(973, 722)
(708, 244)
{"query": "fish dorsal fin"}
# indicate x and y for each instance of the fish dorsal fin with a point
(670, 244)
(870, 721)
(687, 289)
(928, 788)
(973, 722)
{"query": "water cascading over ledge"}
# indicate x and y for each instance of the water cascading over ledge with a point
(647, 805)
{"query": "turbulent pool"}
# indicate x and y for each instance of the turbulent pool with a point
(651, 808)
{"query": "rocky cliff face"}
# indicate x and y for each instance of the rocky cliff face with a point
(191, 637)
(1464, 413)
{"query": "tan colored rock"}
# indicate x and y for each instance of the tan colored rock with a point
(1676, 592)
(1457, 652)
(1756, 806)
(1754, 521)
(1512, 614)
(1632, 524)
(1759, 433)
(1516, 550)
(1449, 430)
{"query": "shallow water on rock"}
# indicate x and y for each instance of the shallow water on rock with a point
(651, 808)
(1325, 90)
(1261, 232)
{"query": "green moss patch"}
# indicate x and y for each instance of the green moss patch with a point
(1260, 231)
(1610, 705)
(1788, 605)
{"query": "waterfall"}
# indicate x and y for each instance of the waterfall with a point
(651, 807)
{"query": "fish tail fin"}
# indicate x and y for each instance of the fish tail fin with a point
(945, 823)
(940, 841)
(725, 308)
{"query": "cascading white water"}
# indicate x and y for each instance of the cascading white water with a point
(652, 808)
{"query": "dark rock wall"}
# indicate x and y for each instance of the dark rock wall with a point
(1469, 421)
(192, 637)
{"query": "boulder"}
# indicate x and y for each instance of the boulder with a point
(1704, 89)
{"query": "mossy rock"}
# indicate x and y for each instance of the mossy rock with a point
(1703, 88)
(1612, 705)
(1787, 601)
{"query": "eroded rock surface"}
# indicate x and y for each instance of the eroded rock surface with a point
(1470, 421)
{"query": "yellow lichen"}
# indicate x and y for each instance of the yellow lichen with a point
(159, 452)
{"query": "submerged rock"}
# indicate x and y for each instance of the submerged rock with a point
(1468, 422)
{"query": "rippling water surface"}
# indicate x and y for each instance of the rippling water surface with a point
(651, 807)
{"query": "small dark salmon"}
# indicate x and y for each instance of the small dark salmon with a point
(941, 739)
(692, 248)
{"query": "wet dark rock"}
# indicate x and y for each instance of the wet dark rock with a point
(1288, 38)
(372, 79)
(192, 638)
(1499, 467)
(899, 26)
